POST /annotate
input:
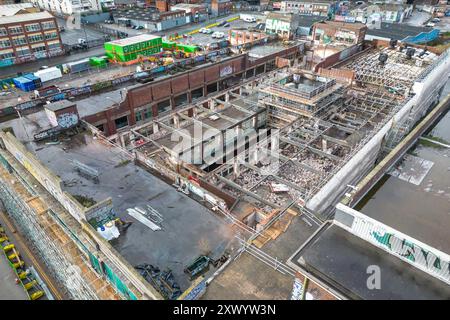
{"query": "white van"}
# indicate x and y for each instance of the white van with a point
(249, 19)
(218, 35)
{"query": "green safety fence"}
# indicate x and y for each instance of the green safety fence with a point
(117, 282)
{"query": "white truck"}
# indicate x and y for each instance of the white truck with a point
(248, 18)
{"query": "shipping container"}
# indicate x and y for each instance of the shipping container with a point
(97, 62)
(37, 81)
(48, 74)
(48, 91)
(24, 84)
(187, 48)
(130, 48)
(169, 45)
(79, 66)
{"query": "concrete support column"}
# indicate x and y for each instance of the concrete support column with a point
(227, 97)
(132, 142)
(324, 145)
(254, 156)
(236, 168)
(155, 127)
(254, 121)
(212, 105)
(176, 121)
(122, 140)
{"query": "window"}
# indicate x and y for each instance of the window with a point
(180, 100)
(3, 32)
(163, 106)
(23, 51)
(33, 27)
(54, 46)
(197, 93)
(121, 122)
(51, 35)
(35, 38)
(5, 43)
(39, 49)
(6, 55)
(148, 113)
(100, 127)
(48, 25)
(15, 30)
(138, 116)
(19, 41)
(211, 88)
(259, 69)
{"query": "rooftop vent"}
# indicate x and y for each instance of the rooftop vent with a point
(393, 43)
(382, 58)
(410, 52)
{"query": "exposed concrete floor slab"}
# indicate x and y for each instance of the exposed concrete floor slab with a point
(343, 259)
(249, 279)
(189, 229)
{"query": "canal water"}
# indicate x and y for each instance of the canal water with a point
(423, 210)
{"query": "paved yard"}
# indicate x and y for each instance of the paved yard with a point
(9, 290)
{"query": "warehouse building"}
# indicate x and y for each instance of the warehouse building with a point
(282, 24)
(152, 21)
(28, 37)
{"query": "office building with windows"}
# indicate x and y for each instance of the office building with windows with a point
(28, 37)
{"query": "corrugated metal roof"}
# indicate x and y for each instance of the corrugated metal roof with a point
(25, 17)
(133, 40)
(8, 10)
(397, 31)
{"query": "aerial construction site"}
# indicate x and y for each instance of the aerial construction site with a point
(227, 179)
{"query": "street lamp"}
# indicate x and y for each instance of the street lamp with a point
(19, 99)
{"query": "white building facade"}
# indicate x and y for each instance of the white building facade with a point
(68, 7)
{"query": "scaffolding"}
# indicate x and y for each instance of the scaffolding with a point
(76, 270)
(29, 223)
(398, 73)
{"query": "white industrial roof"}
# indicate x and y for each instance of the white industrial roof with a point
(135, 39)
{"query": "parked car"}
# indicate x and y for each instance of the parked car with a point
(226, 25)
(434, 20)
(222, 23)
(62, 29)
(140, 27)
(430, 24)
(109, 21)
(250, 19)
(205, 30)
(218, 35)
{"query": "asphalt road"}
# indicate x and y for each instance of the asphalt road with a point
(34, 66)
(418, 19)
(204, 39)
(72, 35)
